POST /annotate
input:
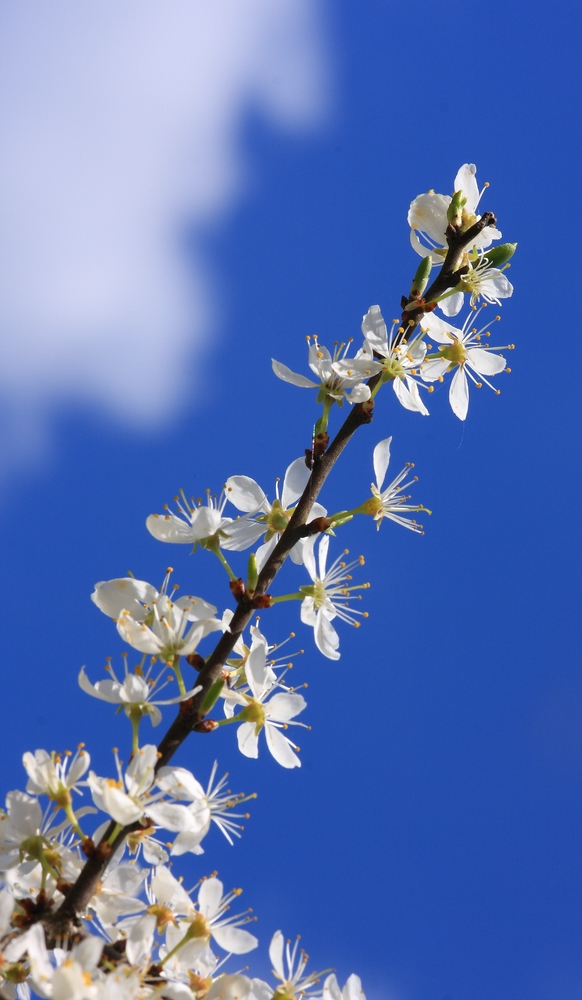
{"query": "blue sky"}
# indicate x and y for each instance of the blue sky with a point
(431, 840)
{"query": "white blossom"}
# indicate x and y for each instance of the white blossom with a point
(50, 774)
(352, 989)
(464, 351)
(207, 807)
(401, 359)
(130, 797)
(257, 713)
(194, 523)
(339, 377)
(391, 502)
(136, 691)
(328, 597)
(151, 622)
(289, 969)
(189, 929)
(264, 517)
(427, 217)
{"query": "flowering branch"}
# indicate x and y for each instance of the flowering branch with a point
(56, 875)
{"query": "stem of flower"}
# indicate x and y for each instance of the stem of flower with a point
(321, 424)
(213, 545)
(114, 833)
(134, 732)
(287, 597)
(178, 672)
(74, 821)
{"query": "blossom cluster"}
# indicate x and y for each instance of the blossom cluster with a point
(144, 934)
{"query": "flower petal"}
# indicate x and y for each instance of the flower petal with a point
(326, 637)
(246, 494)
(284, 706)
(296, 478)
(113, 596)
(452, 305)
(408, 395)
(485, 362)
(234, 939)
(209, 897)
(248, 741)
(466, 182)
(439, 329)
(280, 747)
(381, 459)
(459, 394)
(374, 330)
(282, 372)
(169, 528)
(428, 214)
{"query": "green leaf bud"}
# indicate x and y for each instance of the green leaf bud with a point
(252, 573)
(212, 695)
(455, 209)
(421, 277)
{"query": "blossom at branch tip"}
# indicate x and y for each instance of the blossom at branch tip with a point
(400, 359)
(482, 281)
(264, 517)
(257, 713)
(150, 621)
(136, 691)
(339, 377)
(464, 351)
(328, 596)
(427, 217)
(391, 502)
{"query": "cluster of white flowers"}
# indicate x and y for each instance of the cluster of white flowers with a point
(148, 937)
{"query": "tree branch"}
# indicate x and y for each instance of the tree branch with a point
(60, 925)
(449, 273)
(66, 919)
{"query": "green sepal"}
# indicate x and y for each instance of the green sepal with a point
(420, 280)
(212, 695)
(498, 256)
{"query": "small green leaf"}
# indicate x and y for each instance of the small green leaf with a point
(212, 695)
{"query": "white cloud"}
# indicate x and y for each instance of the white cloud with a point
(121, 125)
